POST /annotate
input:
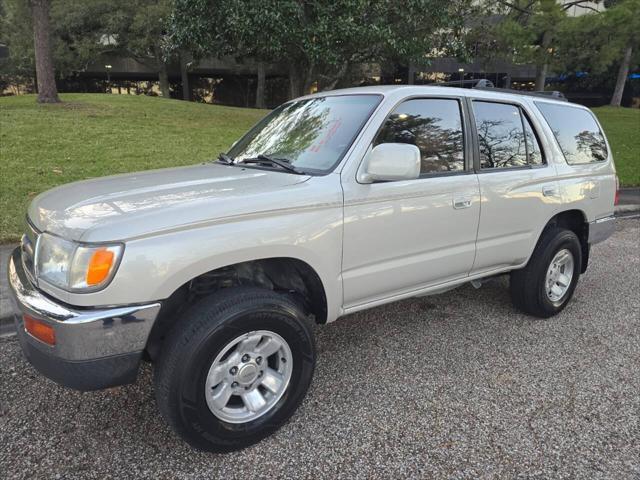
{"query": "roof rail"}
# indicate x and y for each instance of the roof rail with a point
(555, 94)
(477, 83)
(484, 84)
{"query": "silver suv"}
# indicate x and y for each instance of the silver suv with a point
(333, 203)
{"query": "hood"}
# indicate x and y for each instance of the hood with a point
(125, 206)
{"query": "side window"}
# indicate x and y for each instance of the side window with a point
(533, 146)
(576, 131)
(434, 126)
(500, 135)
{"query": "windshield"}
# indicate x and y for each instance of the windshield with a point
(312, 134)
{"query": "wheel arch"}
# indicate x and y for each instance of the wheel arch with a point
(576, 221)
(289, 275)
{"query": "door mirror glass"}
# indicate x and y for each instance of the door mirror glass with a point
(391, 161)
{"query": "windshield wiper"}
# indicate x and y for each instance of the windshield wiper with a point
(276, 162)
(226, 159)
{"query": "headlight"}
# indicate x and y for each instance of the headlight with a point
(72, 266)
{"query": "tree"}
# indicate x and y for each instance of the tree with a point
(76, 28)
(140, 30)
(601, 42)
(47, 91)
(624, 18)
(317, 40)
(623, 71)
(220, 28)
(528, 32)
(16, 31)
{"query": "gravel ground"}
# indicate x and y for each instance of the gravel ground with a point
(456, 385)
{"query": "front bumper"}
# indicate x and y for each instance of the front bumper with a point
(95, 348)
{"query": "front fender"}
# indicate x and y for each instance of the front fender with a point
(153, 268)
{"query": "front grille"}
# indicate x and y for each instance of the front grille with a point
(28, 247)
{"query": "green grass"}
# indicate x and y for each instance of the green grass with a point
(622, 127)
(42, 146)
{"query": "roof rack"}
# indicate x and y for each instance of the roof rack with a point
(555, 94)
(484, 84)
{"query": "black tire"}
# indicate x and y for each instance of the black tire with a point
(195, 341)
(527, 285)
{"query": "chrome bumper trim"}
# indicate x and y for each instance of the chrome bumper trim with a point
(81, 334)
(601, 229)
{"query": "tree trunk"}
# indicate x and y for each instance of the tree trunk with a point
(260, 103)
(163, 77)
(295, 82)
(623, 71)
(47, 90)
(411, 74)
(542, 66)
(541, 77)
(339, 75)
(308, 79)
(184, 77)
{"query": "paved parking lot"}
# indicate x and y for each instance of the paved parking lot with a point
(457, 385)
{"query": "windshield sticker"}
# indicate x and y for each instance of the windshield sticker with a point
(331, 131)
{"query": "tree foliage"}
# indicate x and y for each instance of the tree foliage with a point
(76, 29)
(529, 31)
(139, 28)
(82, 30)
(140, 31)
(318, 39)
(596, 42)
(17, 33)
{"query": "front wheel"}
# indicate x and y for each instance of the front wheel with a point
(235, 368)
(546, 284)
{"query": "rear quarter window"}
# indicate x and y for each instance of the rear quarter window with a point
(576, 131)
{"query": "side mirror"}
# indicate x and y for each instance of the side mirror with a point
(391, 161)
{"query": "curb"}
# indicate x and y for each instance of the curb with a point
(7, 326)
(623, 210)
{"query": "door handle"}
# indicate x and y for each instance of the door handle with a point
(549, 191)
(461, 202)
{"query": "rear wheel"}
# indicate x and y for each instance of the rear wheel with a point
(546, 284)
(235, 368)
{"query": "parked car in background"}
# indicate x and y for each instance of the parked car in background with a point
(333, 203)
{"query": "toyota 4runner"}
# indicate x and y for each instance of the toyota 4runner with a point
(333, 203)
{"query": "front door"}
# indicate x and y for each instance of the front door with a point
(406, 235)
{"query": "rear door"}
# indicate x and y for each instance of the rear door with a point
(518, 185)
(586, 175)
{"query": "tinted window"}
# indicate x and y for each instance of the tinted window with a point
(533, 146)
(577, 133)
(434, 126)
(500, 135)
(312, 134)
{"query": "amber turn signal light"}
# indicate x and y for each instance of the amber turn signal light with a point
(99, 266)
(39, 330)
